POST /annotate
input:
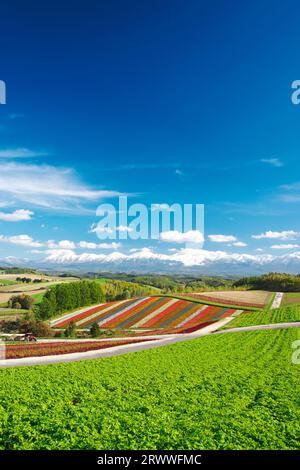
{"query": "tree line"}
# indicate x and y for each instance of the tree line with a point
(272, 282)
(69, 296)
(72, 295)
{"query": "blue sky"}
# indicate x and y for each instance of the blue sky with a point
(173, 101)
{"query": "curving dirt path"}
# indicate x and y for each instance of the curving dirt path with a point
(277, 300)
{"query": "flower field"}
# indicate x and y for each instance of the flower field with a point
(147, 313)
(17, 351)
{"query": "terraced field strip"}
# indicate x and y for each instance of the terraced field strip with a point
(204, 316)
(85, 313)
(126, 315)
(70, 316)
(181, 311)
(104, 313)
(147, 320)
(234, 299)
(123, 310)
(140, 314)
(157, 312)
(194, 314)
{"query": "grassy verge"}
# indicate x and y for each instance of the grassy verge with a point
(236, 391)
(38, 297)
(271, 300)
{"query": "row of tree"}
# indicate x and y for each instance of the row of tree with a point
(28, 280)
(171, 283)
(69, 296)
(272, 282)
(119, 290)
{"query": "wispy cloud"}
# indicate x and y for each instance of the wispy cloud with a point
(276, 162)
(21, 153)
(47, 186)
(285, 246)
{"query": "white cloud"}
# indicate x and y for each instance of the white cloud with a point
(273, 162)
(101, 246)
(173, 236)
(98, 229)
(16, 216)
(285, 246)
(27, 241)
(66, 244)
(222, 238)
(62, 244)
(239, 244)
(283, 235)
(22, 240)
(20, 153)
(47, 186)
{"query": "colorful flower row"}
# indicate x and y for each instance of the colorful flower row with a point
(17, 351)
(147, 313)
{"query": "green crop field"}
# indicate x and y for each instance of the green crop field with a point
(231, 391)
(38, 297)
(289, 313)
(7, 282)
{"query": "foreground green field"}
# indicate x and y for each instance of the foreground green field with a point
(289, 313)
(233, 391)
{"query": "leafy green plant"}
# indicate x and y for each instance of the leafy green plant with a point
(231, 391)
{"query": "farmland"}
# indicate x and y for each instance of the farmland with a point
(250, 298)
(291, 298)
(9, 286)
(289, 313)
(16, 351)
(146, 313)
(233, 391)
